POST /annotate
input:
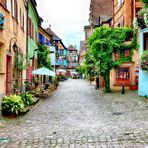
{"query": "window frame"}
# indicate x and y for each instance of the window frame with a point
(119, 80)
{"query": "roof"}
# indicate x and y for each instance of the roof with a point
(44, 30)
(34, 4)
(54, 36)
(72, 48)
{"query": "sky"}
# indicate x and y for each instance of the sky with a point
(66, 17)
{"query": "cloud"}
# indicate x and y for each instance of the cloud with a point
(67, 18)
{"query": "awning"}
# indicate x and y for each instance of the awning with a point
(43, 71)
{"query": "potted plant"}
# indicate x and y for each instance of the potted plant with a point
(12, 105)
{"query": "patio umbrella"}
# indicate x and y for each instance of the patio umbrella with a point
(43, 71)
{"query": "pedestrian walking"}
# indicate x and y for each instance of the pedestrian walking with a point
(97, 82)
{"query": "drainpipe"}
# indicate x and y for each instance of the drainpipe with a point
(27, 42)
(132, 12)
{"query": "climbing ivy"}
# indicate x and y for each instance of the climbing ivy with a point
(19, 61)
(102, 44)
(145, 2)
(43, 57)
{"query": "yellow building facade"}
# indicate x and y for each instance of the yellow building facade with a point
(12, 41)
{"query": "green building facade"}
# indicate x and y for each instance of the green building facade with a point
(33, 22)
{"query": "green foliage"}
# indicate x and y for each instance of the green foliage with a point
(102, 44)
(19, 61)
(145, 2)
(144, 61)
(27, 98)
(81, 69)
(12, 105)
(91, 64)
(43, 57)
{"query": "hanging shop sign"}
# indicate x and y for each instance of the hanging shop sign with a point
(1, 21)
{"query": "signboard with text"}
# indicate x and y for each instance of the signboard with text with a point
(30, 68)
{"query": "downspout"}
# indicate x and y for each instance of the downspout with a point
(27, 42)
(132, 12)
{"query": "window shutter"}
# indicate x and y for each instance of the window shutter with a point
(30, 27)
(16, 10)
(25, 22)
(32, 31)
(18, 13)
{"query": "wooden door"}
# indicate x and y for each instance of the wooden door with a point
(8, 75)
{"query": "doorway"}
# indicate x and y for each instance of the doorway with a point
(8, 75)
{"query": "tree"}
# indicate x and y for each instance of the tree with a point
(102, 44)
(145, 2)
(43, 57)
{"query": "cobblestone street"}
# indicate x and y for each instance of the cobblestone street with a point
(77, 115)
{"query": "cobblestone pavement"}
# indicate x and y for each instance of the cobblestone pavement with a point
(78, 116)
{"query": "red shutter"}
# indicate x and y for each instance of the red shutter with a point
(30, 29)
(23, 21)
(21, 17)
(28, 26)
(16, 11)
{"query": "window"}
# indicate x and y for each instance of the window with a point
(30, 29)
(127, 53)
(137, 11)
(119, 3)
(122, 76)
(15, 9)
(145, 41)
(6, 4)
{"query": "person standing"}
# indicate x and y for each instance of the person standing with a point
(97, 82)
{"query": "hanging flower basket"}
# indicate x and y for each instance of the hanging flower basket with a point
(144, 61)
(142, 20)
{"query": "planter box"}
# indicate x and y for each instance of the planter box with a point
(133, 87)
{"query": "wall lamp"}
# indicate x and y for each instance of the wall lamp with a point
(15, 47)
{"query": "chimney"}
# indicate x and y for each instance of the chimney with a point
(49, 27)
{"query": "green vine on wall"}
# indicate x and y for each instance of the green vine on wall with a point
(19, 61)
(43, 56)
(103, 43)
